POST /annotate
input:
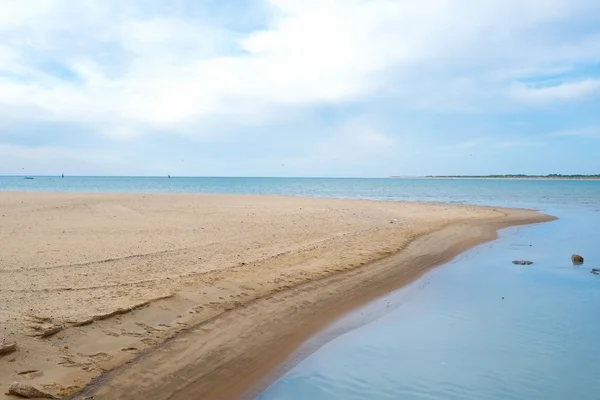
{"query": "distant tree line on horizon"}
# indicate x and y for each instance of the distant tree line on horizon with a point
(575, 176)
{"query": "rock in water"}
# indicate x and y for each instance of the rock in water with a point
(595, 271)
(7, 347)
(522, 262)
(577, 259)
(27, 391)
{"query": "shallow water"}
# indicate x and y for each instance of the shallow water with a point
(477, 328)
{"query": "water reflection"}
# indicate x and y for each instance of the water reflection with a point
(477, 328)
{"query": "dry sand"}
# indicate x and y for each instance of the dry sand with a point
(236, 282)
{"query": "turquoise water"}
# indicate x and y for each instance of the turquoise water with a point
(476, 328)
(497, 192)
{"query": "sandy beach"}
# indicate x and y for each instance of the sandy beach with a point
(200, 296)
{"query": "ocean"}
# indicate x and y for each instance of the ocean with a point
(478, 327)
(519, 193)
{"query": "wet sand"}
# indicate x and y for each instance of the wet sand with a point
(201, 296)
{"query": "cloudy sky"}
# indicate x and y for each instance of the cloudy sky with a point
(299, 87)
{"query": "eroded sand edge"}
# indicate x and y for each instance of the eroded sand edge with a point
(227, 277)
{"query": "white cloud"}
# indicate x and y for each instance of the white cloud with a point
(513, 144)
(146, 67)
(593, 131)
(562, 92)
(355, 140)
(467, 144)
(176, 70)
(55, 160)
(485, 145)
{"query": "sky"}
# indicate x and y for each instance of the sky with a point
(361, 88)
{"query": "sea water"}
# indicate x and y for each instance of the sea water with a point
(474, 191)
(476, 328)
(479, 327)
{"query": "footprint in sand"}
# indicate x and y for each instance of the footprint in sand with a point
(98, 356)
(90, 368)
(134, 334)
(147, 328)
(68, 362)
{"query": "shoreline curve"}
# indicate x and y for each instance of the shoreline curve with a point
(207, 361)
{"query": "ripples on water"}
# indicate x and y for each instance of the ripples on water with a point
(450, 335)
(473, 191)
(456, 338)
(483, 328)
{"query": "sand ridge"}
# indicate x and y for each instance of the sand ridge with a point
(120, 274)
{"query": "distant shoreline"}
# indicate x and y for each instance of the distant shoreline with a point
(502, 177)
(508, 177)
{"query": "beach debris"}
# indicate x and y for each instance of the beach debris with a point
(394, 221)
(577, 259)
(7, 347)
(595, 271)
(28, 391)
(522, 262)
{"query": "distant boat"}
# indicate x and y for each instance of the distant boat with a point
(28, 177)
(169, 176)
(63, 175)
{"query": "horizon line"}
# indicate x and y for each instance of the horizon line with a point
(554, 175)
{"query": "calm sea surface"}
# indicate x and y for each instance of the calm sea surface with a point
(496, 192)
(476, 328)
